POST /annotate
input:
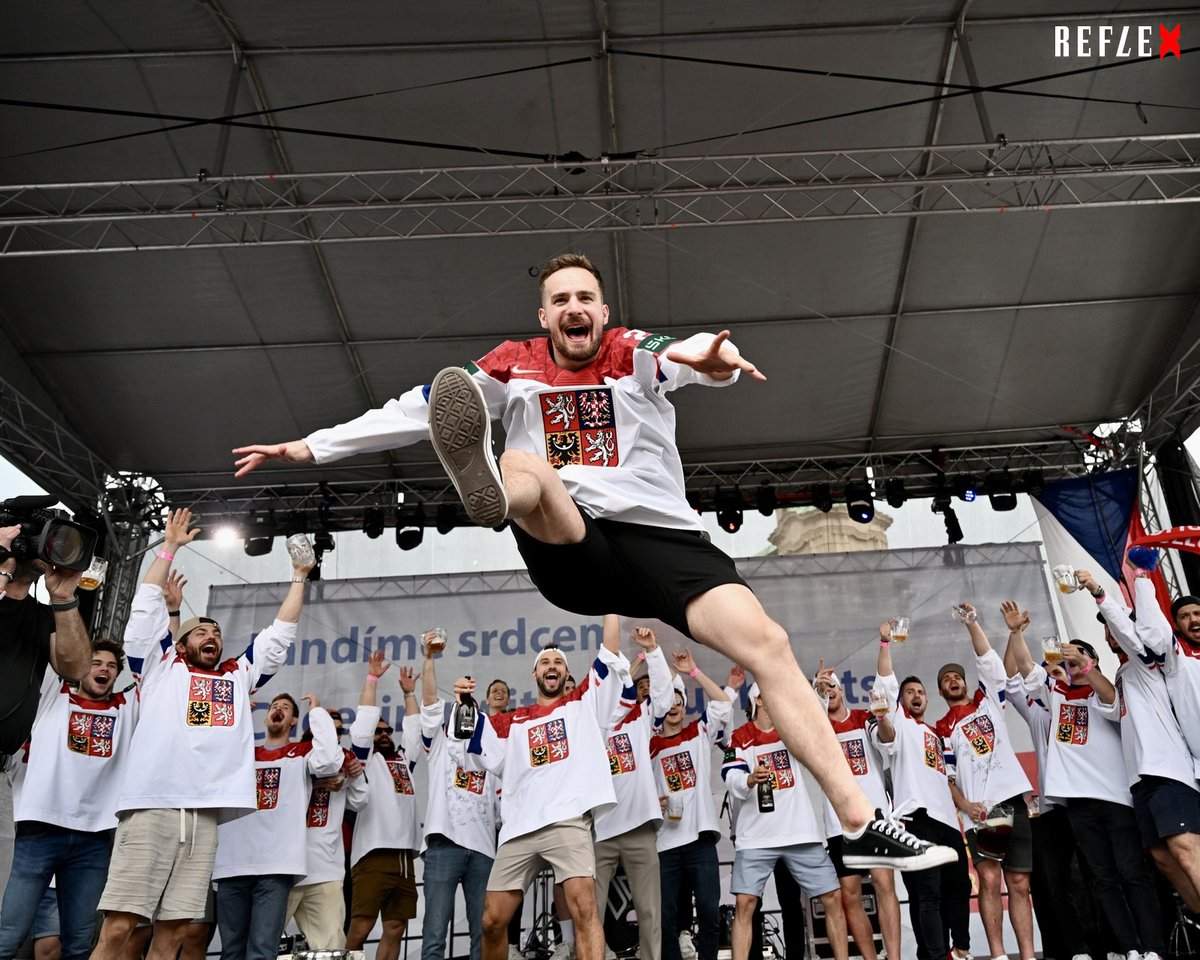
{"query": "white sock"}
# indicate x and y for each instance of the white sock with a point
(568, 930)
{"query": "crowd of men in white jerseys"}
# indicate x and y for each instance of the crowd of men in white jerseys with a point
(604, 772)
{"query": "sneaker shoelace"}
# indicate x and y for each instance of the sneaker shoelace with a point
(891, 827)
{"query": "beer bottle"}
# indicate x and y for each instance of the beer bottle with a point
(464, 718)
(766, 797)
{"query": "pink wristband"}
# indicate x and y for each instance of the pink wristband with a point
(165, 555)
(695, 670)
(1087, 669)
(642, 655)
(885, 643)
(371, 678)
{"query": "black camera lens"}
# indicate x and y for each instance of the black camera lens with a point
(66, 545)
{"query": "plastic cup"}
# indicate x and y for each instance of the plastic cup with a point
(1052, 651)
(93, 576)
(435, 640)
(300, 549)
(900, 629)
(963, 613)
(675, 807)
(1064, 576)
(879, 703)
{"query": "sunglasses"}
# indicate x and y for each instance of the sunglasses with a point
(379, 730)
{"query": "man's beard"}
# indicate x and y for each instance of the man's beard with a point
(548, 694)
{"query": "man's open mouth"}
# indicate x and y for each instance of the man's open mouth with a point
(208, 649)
(577, 332)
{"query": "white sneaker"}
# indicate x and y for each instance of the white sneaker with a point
(1133, 955)
(1150, 955)
(1081, 956)
(686, 947)
(564, 951)
(609, 953)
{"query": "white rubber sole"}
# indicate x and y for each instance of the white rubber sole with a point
(935, 856)
(460, 428)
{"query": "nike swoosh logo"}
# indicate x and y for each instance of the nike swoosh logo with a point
(518, 370)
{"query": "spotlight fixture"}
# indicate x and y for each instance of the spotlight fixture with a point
(322, 542)
(695, 502)
(765, 500)
(260, 534)
(954, 532)
(373, 522)
(822, 499)
(258, 546)
(729, 510)
(859, 504)
(1034, 483)
(999, 489)
(895, 492)
(966, 487)
(447, 517)
(410, 526)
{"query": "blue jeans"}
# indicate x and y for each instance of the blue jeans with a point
(250, 915)
(698, 862)
(446, 866)
(80, 862)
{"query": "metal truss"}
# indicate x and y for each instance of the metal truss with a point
(130, 505)
(606, 195)
(1172, 407)
(273, 509)
(51, 455)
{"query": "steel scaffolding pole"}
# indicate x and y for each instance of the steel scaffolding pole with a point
(605, 195)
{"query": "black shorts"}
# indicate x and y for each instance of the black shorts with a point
(627, 568)
(1164, 808)
(834, 846)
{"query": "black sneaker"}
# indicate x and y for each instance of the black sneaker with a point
(885, 843)
(460, 427)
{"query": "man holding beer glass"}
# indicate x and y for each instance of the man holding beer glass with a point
(989, 785)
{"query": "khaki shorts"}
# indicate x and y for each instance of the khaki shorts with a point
(384, 886)
(565, 847)
(153, 873)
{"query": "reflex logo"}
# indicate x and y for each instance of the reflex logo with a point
(1090, 42)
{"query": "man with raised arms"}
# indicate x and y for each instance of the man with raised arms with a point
(552, 760)
(592, 481)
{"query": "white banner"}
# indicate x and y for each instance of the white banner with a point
(831, 606)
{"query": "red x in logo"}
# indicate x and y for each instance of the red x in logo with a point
(1168, 41)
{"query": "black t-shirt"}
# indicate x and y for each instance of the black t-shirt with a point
(25, 629)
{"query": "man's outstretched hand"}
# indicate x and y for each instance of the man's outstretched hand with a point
(719, 360)
(255, 455)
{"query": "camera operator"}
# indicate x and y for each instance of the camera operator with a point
(33, 634)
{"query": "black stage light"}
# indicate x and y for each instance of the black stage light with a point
(859, 504)
(954, 532)
(373, 522)
(822, 499)
(765, 500)
(1034, 483)
(895, 492)
(410, 527)
(322, 542)
(258, 546)
(447, 517)
(260, 532)
(999, 489)
(729, 511)
(966, 487)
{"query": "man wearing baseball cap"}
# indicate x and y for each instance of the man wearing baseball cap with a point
(197, 739)
(554, 764)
